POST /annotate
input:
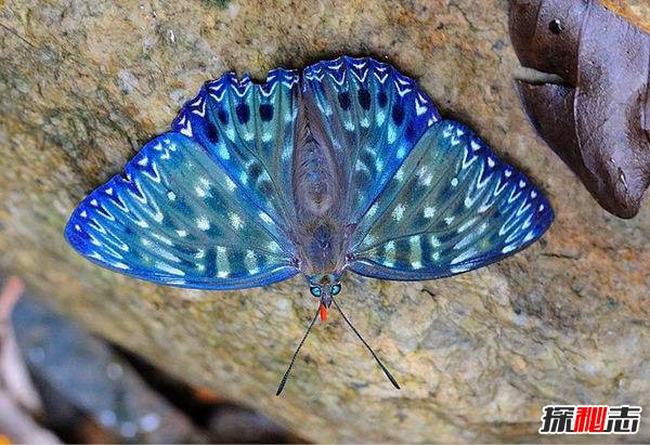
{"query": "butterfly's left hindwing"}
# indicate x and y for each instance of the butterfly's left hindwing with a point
(451, 207)
(204, 206)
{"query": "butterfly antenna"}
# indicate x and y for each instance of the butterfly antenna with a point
(381, 365)
(295, 354)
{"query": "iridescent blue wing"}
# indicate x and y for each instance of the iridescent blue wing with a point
(202, 206)
(373, 116)
(451, 207)
(249, 130)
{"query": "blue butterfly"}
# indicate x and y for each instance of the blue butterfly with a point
(347, 166)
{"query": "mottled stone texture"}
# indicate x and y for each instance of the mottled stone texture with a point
(85, 83)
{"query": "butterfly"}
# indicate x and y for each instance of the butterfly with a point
(345, 166)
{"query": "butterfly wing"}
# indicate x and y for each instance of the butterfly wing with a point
(249, 130)
(202, 206)
(373, 117)
(451, 207)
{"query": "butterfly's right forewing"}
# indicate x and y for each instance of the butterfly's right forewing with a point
(372, 116)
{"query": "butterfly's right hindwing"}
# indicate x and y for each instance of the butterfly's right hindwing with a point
(451, 207)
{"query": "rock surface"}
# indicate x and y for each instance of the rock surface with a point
(85, 83)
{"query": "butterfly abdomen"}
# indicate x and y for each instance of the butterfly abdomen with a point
(313, 181)
(316, 186)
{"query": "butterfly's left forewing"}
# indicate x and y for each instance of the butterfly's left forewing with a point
(205, 205)
(248, 129)
(451, 207)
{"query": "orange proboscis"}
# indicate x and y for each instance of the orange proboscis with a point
(323, 312)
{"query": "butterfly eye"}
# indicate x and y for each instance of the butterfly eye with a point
(315, 291)
(556, 26)
(336, 289)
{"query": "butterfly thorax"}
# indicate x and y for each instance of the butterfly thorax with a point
(322, 248)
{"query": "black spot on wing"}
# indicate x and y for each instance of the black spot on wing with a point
(266, 112)
(223, 116)
(344, 100)
(382, 98)
(255, 171)
(364, 98)
(211, 263)
(410, 132)
(211, 132)
(243, 113)
(398, 114)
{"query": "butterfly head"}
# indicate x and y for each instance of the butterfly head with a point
(324, 287)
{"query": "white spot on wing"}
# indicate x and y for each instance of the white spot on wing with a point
(398, 212)
(235, 221)
(419, 109)
(389, 249)
(464, 256)
(223, 265)
(169, 269)
(250, 260)
(266, 218)
(429, 212)
(416, 252)
(202, 223)
(230, 184)
(187, 130)
(360, 166)
(373, 209)
(223, 152)
(200, 191)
